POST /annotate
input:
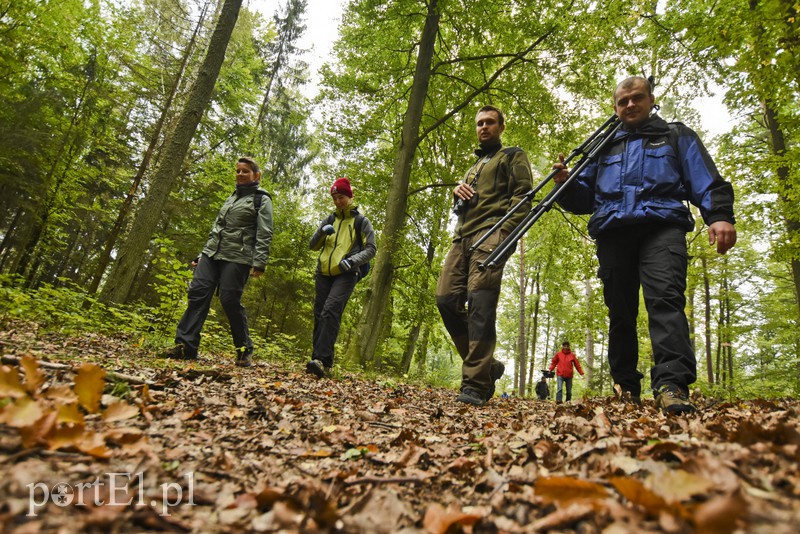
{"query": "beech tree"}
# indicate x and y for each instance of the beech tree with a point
(128, 260)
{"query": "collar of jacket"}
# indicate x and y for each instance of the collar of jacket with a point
(349, 211)
(653, 125)
(488, 150)
(247, 189)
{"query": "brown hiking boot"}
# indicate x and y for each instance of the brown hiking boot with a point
(673, 400)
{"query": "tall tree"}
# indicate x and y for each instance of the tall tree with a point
(144, 165)
(128, 260)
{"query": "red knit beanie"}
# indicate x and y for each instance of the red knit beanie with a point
(342, 186)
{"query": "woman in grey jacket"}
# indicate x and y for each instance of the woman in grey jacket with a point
(239, 240)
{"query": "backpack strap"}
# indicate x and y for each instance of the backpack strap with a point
(258, 197)
(359, 222)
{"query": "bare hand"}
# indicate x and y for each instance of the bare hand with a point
(723, 234)
(560, 177)
(464, 191)
(257, 273)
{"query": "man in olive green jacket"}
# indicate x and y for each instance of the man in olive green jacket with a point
(467, 297)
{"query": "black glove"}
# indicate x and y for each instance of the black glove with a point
(328, 229)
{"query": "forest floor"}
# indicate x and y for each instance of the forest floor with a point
(208, 447)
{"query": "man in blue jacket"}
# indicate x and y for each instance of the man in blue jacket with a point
(636, 192)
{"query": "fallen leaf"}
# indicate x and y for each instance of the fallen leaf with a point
(70, 413)
(89, 383)
(24, 411)
(637, 493)
(34, 377)
(10, 384)
(678, 485)
(439, 520)
(566, 490)
(720, 514)
(119, 411)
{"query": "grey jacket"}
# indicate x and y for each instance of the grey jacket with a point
(239, 235)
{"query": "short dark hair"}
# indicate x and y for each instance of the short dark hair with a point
(630, 82)
(565, 344)
(501, 120)
(250, 162)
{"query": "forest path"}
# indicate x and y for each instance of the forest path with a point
(209, 447)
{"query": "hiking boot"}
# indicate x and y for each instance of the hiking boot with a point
(496, 370)
(673, 400)
(471, 396)
(318, 369)
(178, 352)
(626, 397)
(244, 357)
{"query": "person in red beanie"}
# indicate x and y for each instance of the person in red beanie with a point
(562, 363)
(346, 242)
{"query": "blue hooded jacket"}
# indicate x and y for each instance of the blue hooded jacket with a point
(647, 175)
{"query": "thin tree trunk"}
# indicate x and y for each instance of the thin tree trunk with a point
(535, 328)
(374, 311)
(120, 280)
(111, 242)
(589, 332)
(707, 308)
(521, 345)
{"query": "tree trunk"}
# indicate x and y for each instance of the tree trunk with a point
(707, 307)
(521, 341)
(372, 318)
(589, 332)
(120, 279)
(105, 255)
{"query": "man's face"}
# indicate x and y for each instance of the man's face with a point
(488, 128)
(632, 104)
(565, 348)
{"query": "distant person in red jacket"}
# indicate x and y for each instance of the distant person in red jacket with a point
(562, 363)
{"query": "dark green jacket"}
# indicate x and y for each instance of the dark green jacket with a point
(238, 235)
(503, 181)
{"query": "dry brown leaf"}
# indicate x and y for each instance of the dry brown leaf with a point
(720, 514)
(439, 520)
(461, 465)
(89, 383)
(93, 444)
(119, 411)
(123, 436)
(36, 433)
(563, 517)
(636, 492)
(268, 496)
(24, 411)
(566, 490)
(61, 393)
(678, 485)
(197, 413)
(70, 413)
(65, 436)
(34, 377)
(10, 384)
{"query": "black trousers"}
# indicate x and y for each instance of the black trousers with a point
(208, 275)
(333, 292)
(654, 257)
